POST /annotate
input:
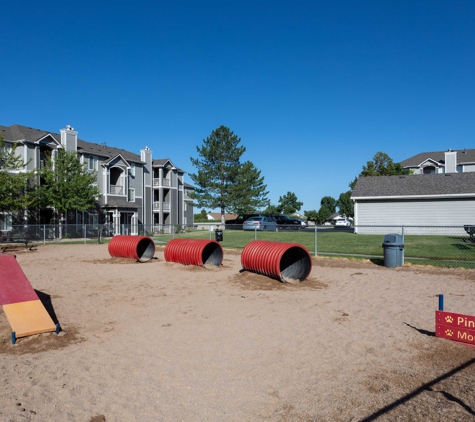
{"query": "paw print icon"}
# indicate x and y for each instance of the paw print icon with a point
(449, 319)
(449, 333)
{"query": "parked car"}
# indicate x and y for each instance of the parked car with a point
(262, 223)
(236, 224)
(342, 222)
(303, 223)
(284, 222)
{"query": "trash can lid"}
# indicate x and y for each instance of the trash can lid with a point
(393, 245)
(393, 239)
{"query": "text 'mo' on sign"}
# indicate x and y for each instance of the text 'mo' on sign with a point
(457, 327)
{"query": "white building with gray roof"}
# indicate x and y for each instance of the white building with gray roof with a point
(441, 199)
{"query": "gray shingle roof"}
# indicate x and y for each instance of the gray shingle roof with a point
(19, 133)
(106, 151)
(24, 133)
(456, 184)
(161, 162)
(463, 156)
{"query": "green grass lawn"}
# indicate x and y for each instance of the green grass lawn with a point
(423, 249)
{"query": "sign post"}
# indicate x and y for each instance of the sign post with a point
(455, 327)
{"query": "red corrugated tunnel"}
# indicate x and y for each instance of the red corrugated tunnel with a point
(287, 262)
(194, 252)
(141, 248)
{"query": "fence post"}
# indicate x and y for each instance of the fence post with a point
(173, 231)
(315, 241)
(44, 234)
(84, 228)
(404, 246)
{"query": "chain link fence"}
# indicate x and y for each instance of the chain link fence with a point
(450, 246)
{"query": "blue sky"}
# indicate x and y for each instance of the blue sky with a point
(313, 88)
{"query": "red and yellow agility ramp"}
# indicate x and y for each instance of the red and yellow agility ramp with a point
(24, 310)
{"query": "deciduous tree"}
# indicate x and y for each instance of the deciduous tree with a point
(345, 204)
(201, 217)
(66, 184)
(15, 192)
(324, 213)
(329, 203)
(288, 204)
(312, 215)
(382, 165)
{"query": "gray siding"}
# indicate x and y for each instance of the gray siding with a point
(174, 201)
(30, 141)
(30, 155)
(188, 213)
(449, 212)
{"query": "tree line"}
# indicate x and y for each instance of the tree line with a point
(222, 181)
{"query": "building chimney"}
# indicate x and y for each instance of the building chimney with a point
(147, 196)
(450, 161)
(69, 138)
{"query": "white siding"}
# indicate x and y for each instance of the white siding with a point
(468, 168)
(450, 212)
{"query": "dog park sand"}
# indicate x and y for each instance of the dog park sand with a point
(160, 341)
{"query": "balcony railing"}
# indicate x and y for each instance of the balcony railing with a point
(165, 206)
(165, 182)
(116, 190)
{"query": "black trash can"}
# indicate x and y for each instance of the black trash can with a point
(218, 234)
(393, 245)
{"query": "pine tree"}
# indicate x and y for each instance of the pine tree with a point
(222, 181)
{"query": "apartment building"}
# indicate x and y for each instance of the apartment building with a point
(137, 192)
(450, 161)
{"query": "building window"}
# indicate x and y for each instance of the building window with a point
(184, 206)
(5, 222)
(45, 154)
(6, 148)
(94, 221)
(132, 169)
(116, 181)
(429, 170)
(92, 162)
(131, 195)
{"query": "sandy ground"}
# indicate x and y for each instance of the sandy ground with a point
(160, 341)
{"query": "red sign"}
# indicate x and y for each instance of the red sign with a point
(457, 327)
